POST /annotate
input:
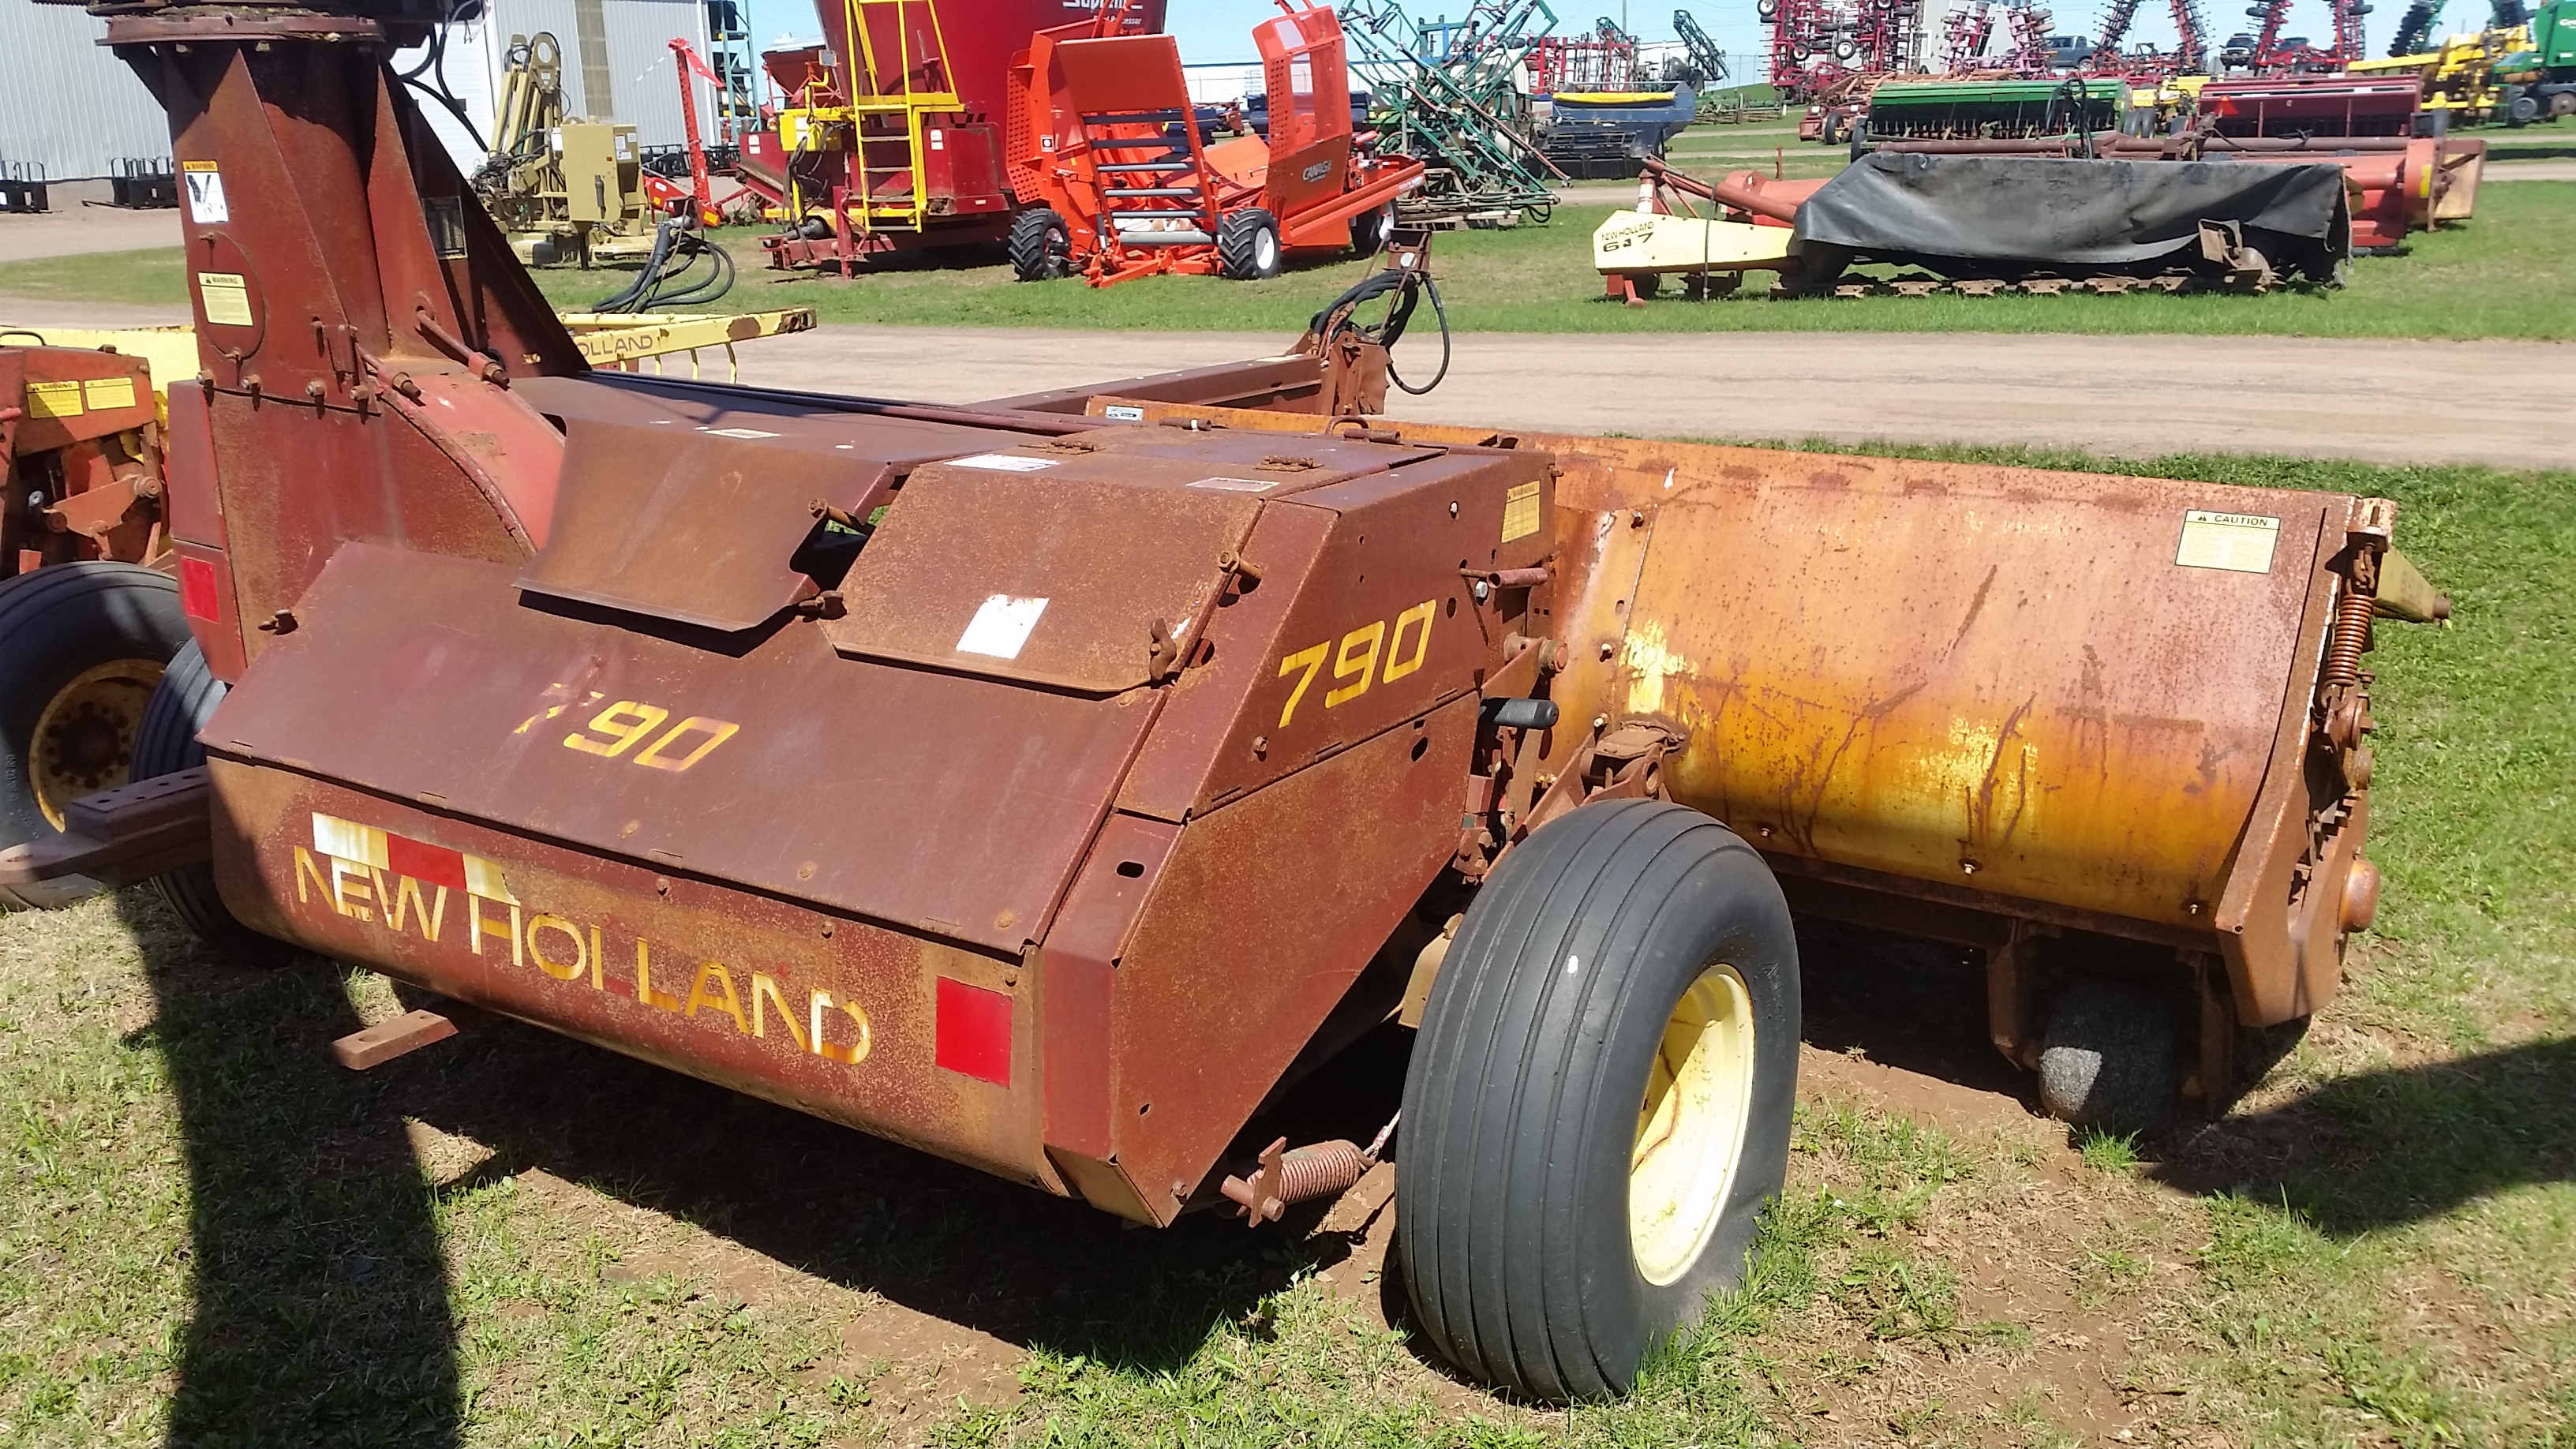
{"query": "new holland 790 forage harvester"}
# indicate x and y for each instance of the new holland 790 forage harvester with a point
(1044, 784)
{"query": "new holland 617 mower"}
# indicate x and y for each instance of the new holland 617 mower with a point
(1044, 784)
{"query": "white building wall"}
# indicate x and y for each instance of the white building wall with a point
(67, 104)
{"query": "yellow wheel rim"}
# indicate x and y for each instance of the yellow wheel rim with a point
(85, 738)
(1690, 1129)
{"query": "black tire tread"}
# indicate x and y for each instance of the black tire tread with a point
(70, 596)
(1237, 243)
(1609, 870)
(1036, 236)
(166, 742)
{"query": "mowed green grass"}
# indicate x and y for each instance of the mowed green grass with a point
(2502, 275)
(2499, 276)
(208, 1234)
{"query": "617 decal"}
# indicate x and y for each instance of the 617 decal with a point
(1402, 645)
(620, 727)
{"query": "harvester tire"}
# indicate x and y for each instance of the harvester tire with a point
(2112, 1058)
(81, 647)
(1247, 245)
(1041, 248)
(1550, 1230)
(167, 742)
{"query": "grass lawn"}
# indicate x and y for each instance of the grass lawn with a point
(2499, 276)
(208, 1234)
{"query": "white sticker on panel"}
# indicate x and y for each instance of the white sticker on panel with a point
(1237, 485)
(1001, 626)
(1004, 463)
(205, 186)
(2237, 542)
(1123, 413)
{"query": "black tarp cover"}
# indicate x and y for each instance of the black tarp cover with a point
(2076, 212)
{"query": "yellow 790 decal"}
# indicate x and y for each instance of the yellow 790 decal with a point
(615, 730)
(1402, 646)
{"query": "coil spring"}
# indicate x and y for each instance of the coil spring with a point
(1319, 1170)
(2349, 637)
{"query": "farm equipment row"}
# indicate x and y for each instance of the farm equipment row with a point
(986, 778)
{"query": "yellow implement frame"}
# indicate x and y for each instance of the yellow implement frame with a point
(606, 339)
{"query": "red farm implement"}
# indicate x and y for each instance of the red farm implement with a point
(1128, 184)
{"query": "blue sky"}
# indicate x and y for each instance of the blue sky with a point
(1221, 30)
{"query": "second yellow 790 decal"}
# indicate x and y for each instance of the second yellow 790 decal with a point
(1402, 646)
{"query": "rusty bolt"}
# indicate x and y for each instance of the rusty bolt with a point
(1636, 518)
(403, 384)
(1482, 590)
(314, 389)
(1260, 746)
(661, 885)
(281, 623)
(1608, 648)
(250, 383)
(827, 930)
(495, 373)
(2360, 896)
(1600, 722)
(1967, 867)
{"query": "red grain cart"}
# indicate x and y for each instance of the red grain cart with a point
(1126, 184)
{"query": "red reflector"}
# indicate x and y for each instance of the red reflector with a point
(197, 589)
(974, 1031)
(428, 864)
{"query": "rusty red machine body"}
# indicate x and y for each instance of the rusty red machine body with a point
(80, 448)
(986, 778)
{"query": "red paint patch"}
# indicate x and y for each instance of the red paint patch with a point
(974, 1031)
(428, 864)
(197, 589)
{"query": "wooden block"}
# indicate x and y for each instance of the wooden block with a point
(385, 1041)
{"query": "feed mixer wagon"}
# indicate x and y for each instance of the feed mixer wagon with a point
(1127, 184)
(1045, 784)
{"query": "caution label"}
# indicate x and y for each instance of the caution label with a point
(108, 392)
(2237, 542)
(226, 296)
(54, 399)
(204, 184)
(1520, 511)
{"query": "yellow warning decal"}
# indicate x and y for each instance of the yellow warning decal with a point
(1520, 511)
(227, 298)
(54, 399)
(2237, 542)
(108, 392)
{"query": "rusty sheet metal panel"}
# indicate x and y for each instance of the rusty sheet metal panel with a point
(2046, 685)
(1257, 922)
(948, 805)
(830, 1016)
(1381, 626)
(1055, 563)
(699, 523)
(2198, 685)
(297, 483)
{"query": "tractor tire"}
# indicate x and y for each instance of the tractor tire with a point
(1549, 1230)
(1041, 247)
(167, 742)
(1831, 133)
(81, 647)
(1247, 245)
(2112, 1057)
(1370, 229)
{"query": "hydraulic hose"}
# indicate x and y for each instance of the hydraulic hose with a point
(1409, 288)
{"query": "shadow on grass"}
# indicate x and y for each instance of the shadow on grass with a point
(321, 1312)
(944, 1240)
(2385, 1148)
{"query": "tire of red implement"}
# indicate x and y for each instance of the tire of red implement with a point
(1598, 1106)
